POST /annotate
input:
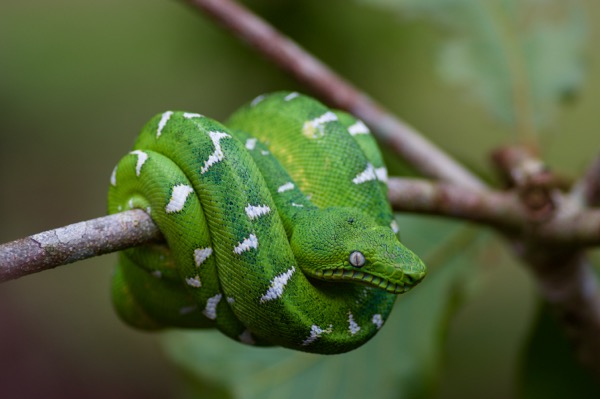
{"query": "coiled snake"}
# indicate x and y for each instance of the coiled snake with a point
(277, 227)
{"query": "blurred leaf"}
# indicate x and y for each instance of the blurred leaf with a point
(519, 58)
(402, 361)
(549, 368)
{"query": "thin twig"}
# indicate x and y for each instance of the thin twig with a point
(496, 209)
(76, 242)
(587, 190)
(571, 226)
(337, 92)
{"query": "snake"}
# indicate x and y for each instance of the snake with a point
(277, 228)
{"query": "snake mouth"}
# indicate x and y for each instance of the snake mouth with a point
(360, 277)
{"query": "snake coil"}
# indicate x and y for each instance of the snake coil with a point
(277, 227)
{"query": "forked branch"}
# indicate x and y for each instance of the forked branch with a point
(572, 267)
(547, 228)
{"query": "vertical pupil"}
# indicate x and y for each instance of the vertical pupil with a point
(357, 259)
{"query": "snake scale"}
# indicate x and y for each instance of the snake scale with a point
(277, 227)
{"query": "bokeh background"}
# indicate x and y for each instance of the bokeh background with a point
(79, 79)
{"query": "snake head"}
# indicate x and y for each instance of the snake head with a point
(344, 245)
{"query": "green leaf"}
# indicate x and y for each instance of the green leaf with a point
(401, 361)
(549, 368)
(518, 58)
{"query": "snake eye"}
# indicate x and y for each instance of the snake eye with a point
(357, 259)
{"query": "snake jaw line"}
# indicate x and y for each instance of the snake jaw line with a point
(361, 277)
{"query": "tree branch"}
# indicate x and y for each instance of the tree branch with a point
(587, 190)
(496, 209)
(571, 226)
(337, 92)
(535, 216)
(430, 161)
(76, 242)
(112, 233)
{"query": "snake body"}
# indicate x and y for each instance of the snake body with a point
(277, 227)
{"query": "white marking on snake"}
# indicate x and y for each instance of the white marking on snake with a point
(250, 144)
(381, 174)
(194, 282)
(366, 175)
(316, 332)
(141, 159)
(358, 128)
(211, 307)
(113, 177)
(130, 204)
(187, 309)
(395, 227)
(190, 115)
(297, 205)
(247, 244)
(246, 338)
(230, 300)
(377, 320)
(277, 285)
(291, 96)
(163, 121)
(217, 155)
(156, 274)
(285, 187)
(257, 100)
(200, 255)
(178, 198)
(313, 129)
(255, 211)
(265, 152)
(119, 208)
(352, 326)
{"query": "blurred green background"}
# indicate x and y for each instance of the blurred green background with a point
(79, 79)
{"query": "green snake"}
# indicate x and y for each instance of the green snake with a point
(277, 227)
